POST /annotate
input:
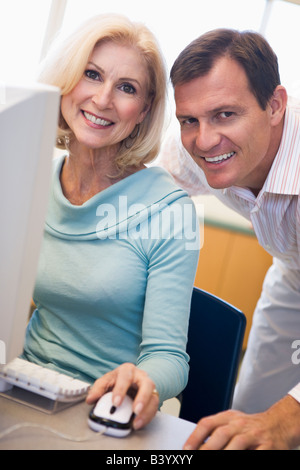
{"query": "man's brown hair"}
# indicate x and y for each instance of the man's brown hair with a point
(247, 48)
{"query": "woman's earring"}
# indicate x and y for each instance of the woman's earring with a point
(135, 134)
(65, 140)
(129, 141)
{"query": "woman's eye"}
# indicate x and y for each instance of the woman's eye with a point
(127, 88)
(92, 74)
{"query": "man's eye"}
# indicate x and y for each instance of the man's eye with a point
(92, 74)
(225, 114)
(188, 122)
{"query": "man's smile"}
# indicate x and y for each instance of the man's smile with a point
(219, 158)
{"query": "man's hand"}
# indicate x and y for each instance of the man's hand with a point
(278, 428)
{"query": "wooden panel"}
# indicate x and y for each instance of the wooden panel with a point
(212, 259)
(233, 265)
(245, 271)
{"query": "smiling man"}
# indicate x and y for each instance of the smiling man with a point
(241, 142)
(224, 128)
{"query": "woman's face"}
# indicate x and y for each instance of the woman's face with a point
(110, 99)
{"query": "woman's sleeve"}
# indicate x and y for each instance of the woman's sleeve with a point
(173, 250)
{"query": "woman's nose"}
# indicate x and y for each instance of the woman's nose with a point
(103, 98)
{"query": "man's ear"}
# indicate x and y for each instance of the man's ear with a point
(278, 104)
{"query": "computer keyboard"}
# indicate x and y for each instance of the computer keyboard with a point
(42, 381)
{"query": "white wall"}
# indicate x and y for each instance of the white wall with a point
(176, 23)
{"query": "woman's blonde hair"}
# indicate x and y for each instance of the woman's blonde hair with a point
(66, 62)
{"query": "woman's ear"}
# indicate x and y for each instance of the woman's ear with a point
(145, 111)
(278, 104)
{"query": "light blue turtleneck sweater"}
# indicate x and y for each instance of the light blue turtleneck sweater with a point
(115, 279)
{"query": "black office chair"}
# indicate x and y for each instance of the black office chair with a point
(215, 339)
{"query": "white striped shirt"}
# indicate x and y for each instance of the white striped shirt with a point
(274, 213)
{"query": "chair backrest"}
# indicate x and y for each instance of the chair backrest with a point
(215, 339)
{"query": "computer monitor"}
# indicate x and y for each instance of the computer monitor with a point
(28, 123)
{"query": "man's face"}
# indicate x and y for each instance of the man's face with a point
(224, 128)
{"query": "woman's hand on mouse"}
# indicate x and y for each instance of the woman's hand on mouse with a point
(128, 378)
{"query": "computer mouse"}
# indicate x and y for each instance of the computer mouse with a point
(112, 420)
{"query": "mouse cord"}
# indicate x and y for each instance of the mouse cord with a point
(16, 427)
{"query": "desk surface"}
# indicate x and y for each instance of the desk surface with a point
(165, 432)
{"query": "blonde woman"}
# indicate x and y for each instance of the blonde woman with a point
(118, 260)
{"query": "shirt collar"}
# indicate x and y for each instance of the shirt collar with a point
(284, 176)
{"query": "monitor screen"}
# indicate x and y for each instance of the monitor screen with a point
(28, 123)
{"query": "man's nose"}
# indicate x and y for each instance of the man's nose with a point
(207, 137)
